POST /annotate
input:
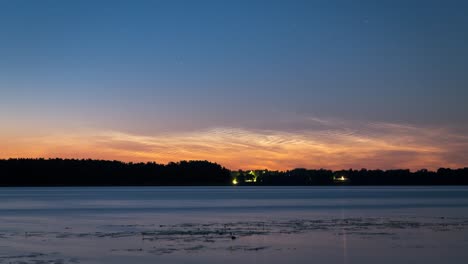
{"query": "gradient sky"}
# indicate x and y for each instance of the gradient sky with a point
(248, 84)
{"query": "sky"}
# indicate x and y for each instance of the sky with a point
(247, 84)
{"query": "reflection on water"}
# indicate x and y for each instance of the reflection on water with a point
(232, 224)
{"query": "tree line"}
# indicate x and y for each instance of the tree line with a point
(443, 176)
(87, 172)
(76, 172)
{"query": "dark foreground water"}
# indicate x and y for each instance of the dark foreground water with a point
(234, 225)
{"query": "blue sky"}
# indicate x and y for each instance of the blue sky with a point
(147, 68)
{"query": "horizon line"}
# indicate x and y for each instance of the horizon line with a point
(205, 160)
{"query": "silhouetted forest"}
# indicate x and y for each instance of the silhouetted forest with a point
(352, 177)
(74, 172)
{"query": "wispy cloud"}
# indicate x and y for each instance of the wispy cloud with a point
(334, 144)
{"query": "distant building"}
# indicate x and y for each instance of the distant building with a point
(340, 179)
(248, 176)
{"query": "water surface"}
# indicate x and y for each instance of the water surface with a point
(234, 224)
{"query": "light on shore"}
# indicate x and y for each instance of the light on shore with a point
(234, 182)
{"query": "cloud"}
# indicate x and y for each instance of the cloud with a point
(334, 144)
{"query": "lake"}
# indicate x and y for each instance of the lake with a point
(234, 225)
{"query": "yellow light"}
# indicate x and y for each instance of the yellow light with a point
(234, 182)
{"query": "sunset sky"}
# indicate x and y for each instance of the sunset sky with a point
(247, 84)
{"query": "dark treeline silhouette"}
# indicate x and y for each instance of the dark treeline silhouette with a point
(352, 177)
(74, 172)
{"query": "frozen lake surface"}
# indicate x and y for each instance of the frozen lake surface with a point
(234, 225)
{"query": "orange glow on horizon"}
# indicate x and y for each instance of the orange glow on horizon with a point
(389, 146)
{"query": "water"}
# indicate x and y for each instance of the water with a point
(234, 224)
